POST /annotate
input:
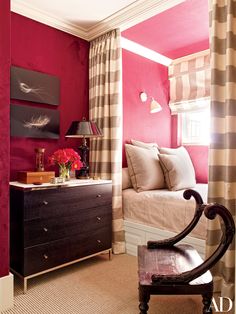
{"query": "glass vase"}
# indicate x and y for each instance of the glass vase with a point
(64, 172)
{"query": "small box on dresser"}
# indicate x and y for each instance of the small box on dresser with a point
(28, 177)
(52, 226)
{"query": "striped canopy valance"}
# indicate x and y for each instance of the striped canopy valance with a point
(190, 83)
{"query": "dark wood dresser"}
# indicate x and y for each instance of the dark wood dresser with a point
(52, 226)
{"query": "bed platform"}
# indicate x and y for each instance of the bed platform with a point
(160, 214)
(138, 234)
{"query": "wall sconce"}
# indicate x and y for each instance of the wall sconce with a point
(143, 96)
(154, 105)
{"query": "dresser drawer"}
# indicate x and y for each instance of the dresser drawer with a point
(64, 201)
(42, 257)
(40, 231)
(51, 227)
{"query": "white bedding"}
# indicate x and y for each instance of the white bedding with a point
(164, 209)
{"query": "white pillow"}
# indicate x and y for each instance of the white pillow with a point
(178, 168)
(143, 144)
(144, 168)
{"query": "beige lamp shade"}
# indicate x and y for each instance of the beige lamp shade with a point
(155, 106)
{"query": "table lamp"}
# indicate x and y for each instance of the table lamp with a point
(83, 129)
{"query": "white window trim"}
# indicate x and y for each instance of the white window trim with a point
(180, 133)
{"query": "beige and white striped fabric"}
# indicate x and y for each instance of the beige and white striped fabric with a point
(190, 82)
(105, 107)
(222, 160)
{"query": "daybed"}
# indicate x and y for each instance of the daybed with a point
(154, 214)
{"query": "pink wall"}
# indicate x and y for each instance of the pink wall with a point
(4, 134)
(141, 74)
(199, 156)
(41, 48)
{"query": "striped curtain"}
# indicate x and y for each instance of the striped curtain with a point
(222, 155)
(105, 107)
(190, 82)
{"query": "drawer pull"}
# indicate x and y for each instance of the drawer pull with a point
(99, 195)
(99, 218)
(45, 202)
(45, 229)
(45, 256)
(99, 241)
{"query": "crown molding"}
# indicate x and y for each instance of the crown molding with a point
(127, 17)
(23, 8)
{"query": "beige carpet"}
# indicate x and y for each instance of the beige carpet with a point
(95, 286)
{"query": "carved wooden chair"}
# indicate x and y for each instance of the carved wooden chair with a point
(169, 269)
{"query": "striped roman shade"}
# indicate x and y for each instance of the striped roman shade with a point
(190, 82)
(105, 107)
(222, 154)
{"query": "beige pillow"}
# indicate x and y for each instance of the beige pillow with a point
(143, 144)
(178, 171)
(183, 154)
(126, 182)
(144, 168)
(180, 151)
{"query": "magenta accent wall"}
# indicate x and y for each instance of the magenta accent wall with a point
(4, 134)
(141, 74)
(41, 48)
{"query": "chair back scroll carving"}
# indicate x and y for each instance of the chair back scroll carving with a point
(210, 211)
(197, 215)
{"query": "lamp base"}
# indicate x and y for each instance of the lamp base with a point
(83, 178)
(83, 173)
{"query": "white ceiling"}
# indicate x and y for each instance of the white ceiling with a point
(79, 12)
(90, 18)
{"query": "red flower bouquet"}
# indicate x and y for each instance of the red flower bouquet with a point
(67, 159)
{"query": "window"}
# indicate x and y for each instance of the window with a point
(194, 127)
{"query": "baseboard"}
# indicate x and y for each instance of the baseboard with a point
(6, 292)
(137, 234)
